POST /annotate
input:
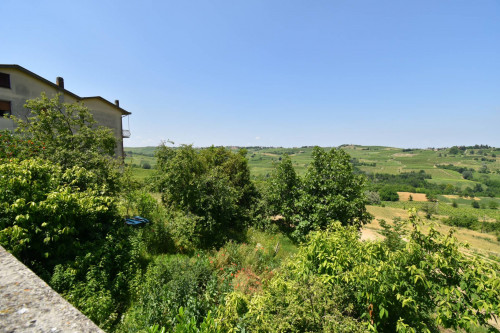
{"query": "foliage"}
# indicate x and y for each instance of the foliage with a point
(427, 283)
(328, 191)
(405, 182)
(393, 233)
(69, 136)
(331, 191)
(388, 193)
(49, 214)
(97, 281)
(429, 208)
(290, 303)
(172, 282)
(60, 225)
(189, 325)
(13, 146)
(373, 198)
(454, 150)
(283, 189)
(212, 184)
(472, 222)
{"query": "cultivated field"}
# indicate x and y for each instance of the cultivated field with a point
(373, 159)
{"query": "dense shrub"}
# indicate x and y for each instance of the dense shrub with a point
(427, 283)
(471, 222)
(212, 184)
(290, 303)
(388, 193)
(97, 281)
(172, 282)
(57, 222)
(338, 283)
(462, 221)
(49, 215)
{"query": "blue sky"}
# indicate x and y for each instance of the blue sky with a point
(274, 73)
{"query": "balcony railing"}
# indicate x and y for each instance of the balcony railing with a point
(126, 133)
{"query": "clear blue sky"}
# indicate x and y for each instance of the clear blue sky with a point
(274, 73)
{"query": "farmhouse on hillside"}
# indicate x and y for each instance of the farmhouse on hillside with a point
(17, 84)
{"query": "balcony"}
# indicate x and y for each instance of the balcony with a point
(126, 133)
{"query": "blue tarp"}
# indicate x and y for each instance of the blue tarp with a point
(136, 220)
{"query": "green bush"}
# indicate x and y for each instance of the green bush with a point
(49, 215)
(292, 303)
(213, 184)
(388, 193)
(97, 281)
(426, 284)
(57, 222)
(172, 282)
(462, 221)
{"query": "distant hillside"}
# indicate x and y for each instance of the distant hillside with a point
(460, 167)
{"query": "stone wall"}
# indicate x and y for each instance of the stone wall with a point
(28, 304)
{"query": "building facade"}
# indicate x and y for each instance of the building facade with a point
(18, 84)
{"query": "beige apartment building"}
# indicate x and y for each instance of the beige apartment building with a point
(17, 84)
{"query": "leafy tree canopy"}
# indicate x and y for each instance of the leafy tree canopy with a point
(66, 134)
(329, 191)
(213, 184)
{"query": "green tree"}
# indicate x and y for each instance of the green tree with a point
(388, 193)
(429, 208)
(330, 191)
(283, 189)
(68, 135)
(213, 184)
(454, 150)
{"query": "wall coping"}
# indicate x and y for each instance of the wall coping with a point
(28, 304)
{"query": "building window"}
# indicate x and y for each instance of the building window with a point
(5, 108)
(4, 80)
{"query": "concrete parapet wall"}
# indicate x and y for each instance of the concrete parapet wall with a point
(28, 304)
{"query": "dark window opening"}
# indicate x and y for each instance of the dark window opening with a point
(4, 80)
(5, 108)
